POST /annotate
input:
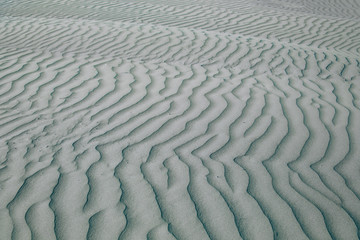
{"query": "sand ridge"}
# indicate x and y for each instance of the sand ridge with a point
(179, 120)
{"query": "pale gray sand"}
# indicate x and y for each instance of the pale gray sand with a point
(179, 119)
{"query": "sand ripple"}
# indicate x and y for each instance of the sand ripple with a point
(179, 120)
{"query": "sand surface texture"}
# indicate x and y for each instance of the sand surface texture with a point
(194, 120)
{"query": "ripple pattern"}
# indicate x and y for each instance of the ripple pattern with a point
(179, 120)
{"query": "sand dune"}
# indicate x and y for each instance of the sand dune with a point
(179, 119)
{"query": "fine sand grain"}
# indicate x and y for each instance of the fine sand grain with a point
(194, 120)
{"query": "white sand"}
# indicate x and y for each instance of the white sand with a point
(217, 119)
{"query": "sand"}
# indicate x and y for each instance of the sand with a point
(217, 119)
